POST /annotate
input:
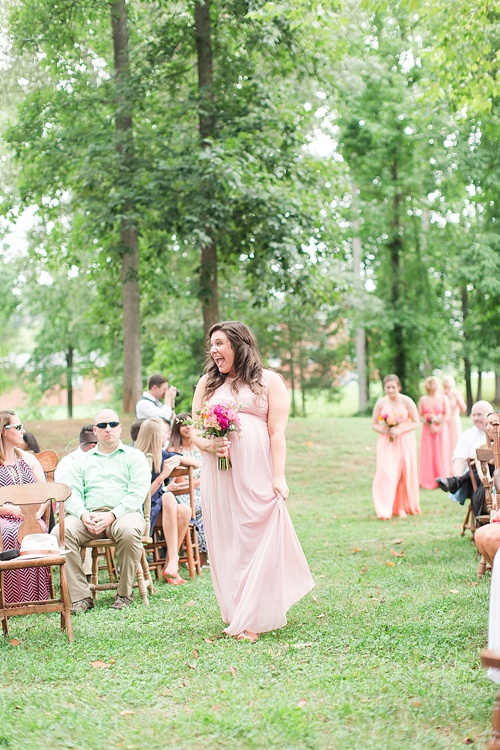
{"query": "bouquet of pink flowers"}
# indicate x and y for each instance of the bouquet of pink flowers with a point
(430, 418)
(391, 420)
(217, 420)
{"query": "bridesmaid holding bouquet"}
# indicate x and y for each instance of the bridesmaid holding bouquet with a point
(395, 485)
(434, 411)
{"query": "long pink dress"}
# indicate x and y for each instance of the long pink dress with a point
(435, 460)
(257, 564)
(395, 484)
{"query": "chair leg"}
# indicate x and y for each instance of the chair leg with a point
(196, 553)
(189, 551)
(495, 733)
(66, 623)
(147, 572)
(481, 568)
(110, 563)
(466, 524)
(94, 576)
(5, 619)
(141, 583)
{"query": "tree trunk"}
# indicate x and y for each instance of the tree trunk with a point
(467, 364)
(132, 363)
(292, 383)
(69, 380)
(497, 387)
(479, 392)
(209, 293)
(395, 251)
(302, 385)
(360, 331)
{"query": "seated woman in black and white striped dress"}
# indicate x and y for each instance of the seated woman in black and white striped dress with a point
(19, 467)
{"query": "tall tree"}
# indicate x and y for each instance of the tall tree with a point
(127, 210)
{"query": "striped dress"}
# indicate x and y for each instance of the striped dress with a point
(31, 584)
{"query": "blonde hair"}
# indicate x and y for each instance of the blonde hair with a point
(449, 380)
(150, 440)
(429, 380)
(5, 416)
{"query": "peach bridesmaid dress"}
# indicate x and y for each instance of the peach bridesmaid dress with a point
(257, 564)
(435, 454)
(395, 484)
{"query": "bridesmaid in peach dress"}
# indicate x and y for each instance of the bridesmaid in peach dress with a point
(395, 485)
(257, 564)
(457, 407)
(435, 457)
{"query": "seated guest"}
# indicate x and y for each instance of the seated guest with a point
(19, 467)
(459, 485)
(181, 442)
(87, 442)
(30, 443)
(108, 485)
(175, 516)
(134, 429)
(479, 506)
(150, 405)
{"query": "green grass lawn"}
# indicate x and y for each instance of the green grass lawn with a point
(383, 654)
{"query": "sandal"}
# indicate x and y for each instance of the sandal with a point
(246, 636)
(173, 581)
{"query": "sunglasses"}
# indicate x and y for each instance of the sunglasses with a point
(18, 427)
(103, 425)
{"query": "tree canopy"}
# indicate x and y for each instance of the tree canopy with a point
(191, 161)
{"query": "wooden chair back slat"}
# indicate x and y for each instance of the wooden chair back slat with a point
(29, 497)
(48, 461)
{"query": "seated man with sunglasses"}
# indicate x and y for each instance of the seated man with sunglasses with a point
(109, 486)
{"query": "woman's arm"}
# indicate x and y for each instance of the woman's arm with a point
(34, 465)
(380, 427)
(460, 401)
(447, 408)
(217, 446)
(421, 408)
(277, 418)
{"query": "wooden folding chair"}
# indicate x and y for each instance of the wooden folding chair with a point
(48, 461)
(30, 497)
(189, 552)
(470, 520)
(144, 581)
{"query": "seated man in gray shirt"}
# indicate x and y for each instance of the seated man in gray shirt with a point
(109, 485)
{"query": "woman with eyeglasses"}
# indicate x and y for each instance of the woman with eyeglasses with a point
(19, 467)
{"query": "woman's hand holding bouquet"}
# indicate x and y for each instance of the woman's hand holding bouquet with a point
(390, 421)
(215, 422)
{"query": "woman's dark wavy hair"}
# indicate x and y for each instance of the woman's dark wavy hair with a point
(247, 361)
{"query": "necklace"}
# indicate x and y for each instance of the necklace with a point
(15, 472)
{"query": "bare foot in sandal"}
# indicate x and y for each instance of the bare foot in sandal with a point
(247, 635)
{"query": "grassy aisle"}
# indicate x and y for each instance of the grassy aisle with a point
(384, 654)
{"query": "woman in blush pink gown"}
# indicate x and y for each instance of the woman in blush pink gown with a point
(435, 457)
(395, 485)
(257, 564)
(457, 407)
